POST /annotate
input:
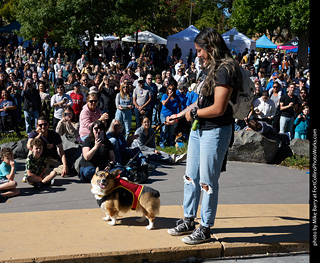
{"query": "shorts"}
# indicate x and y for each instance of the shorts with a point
(2, 181)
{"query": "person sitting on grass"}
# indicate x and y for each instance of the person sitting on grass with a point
(36, 166)
(145, 140)
(8, 187)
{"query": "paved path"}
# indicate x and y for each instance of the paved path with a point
(262, 209)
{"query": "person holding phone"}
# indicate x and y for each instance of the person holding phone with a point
(68, 125)
(97, 151)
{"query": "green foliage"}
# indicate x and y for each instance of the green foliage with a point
(298, 162)
(7, 10)
(64, 20)
(272, 17)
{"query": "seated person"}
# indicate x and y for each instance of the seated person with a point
(8, 187)
(68, 125)
(36, 172)
(268, 131)
(147, 144)
(52, 147)
(121, 146)
(97, 151)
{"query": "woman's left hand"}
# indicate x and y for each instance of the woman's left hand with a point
(188, 116)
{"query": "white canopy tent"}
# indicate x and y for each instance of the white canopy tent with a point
(185, 40)
(238, 41)
(145, 37)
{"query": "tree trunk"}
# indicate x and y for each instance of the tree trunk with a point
(303, 51)
(137, 37)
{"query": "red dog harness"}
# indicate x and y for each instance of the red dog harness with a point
(134, 189)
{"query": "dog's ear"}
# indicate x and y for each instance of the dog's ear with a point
(97, 169)
(115, 173)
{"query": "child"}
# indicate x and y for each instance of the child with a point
(7, 172)
(36, 167)
(302, 123)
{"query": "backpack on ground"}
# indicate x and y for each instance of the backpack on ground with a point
(244, 98)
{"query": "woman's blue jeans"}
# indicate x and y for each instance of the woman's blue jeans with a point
(125, 117)
(86, 173)
(167, 133)
(206, 152)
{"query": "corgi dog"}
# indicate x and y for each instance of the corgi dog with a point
(115, 194)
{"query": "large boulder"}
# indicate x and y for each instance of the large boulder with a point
(300, 147)
(251, 146)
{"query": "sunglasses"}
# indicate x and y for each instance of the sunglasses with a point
(97, 129)
(93, 101)
(42, 124)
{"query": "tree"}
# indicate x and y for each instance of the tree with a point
(274, 17)
(66, 21)
(7, 10)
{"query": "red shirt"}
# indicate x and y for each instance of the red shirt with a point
(78, 100)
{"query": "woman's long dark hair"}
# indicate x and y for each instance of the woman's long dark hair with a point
(218, 55)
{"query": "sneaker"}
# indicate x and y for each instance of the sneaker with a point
(198, 236)
(184, 226)
(38, 185)
(24, 179)
(180, 158)
(49, 183)
(150, 167)
(3, 199)
(173, 158)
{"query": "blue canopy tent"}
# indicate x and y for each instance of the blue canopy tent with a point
(264, 42)
(9, 28)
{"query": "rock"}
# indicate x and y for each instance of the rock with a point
(300, 147)
(73, 153)
(21, 151)
(251, 146)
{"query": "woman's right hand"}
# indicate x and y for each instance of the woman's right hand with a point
(170, 120)
(104, 116)
(97, 143)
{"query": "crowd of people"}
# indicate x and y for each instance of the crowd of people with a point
(92, 100)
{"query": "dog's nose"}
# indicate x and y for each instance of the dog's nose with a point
(103, 181)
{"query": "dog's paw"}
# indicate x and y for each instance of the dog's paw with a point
(149, 227)
(112, 222)
(107, 218)
(141, 220)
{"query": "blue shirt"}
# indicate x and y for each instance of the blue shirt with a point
(191, 97)
(5, 169)
(6, 103)
(172, 107)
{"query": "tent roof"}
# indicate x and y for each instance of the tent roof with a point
(187, 34)
(240, 41)
(145, 37)
(237, 35)
(292, 42)
(265, 42)
(9, 28)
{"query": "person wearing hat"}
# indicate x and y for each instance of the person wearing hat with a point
(133, 63)
(274, 78)
(142, 101)
(78, 99)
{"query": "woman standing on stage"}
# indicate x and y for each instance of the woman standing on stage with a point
(209, 141)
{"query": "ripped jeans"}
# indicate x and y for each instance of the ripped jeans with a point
(206, 151)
